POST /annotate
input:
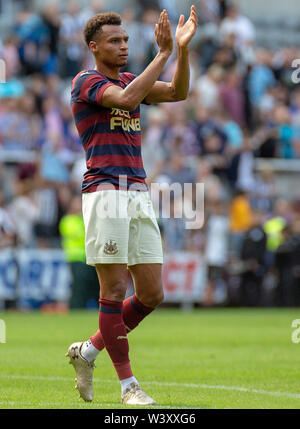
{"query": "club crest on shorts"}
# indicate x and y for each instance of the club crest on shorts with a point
(111, 248)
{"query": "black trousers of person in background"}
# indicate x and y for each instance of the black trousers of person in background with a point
(85, 286)
(287, 263)
(296, 268)
(253, 255)
(251, 288)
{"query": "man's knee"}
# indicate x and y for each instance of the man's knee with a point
(153, 299)
(114, 292)
(158, 298)
(113, 282)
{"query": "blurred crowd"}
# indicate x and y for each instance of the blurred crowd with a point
(243, 105)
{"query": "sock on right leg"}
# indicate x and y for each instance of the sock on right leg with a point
(134, 311)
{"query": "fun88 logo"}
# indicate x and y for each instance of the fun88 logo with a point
(2, 331)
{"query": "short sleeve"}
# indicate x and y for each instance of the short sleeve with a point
(89, 88)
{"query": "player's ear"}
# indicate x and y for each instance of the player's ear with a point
(93, 46)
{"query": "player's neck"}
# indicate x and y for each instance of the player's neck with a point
(112, 73)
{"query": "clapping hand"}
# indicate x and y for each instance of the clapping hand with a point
(186, 31)
(163, 33)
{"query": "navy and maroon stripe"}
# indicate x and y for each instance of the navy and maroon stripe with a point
(134, 173)
(114, 149)
(116, 161)
(113, 183)
(108, 310)
(111, 307)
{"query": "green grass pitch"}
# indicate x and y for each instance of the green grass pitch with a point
(219, 358)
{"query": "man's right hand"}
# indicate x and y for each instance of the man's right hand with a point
(163, 34)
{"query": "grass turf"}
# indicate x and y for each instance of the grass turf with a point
(220, 358)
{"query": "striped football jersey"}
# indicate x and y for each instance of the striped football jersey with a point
(110, 137)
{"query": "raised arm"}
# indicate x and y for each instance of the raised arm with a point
(177, 90)
(130, 97)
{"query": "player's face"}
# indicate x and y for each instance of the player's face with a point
(111, 46)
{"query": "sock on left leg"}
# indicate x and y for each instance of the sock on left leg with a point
(114, 335)
(126, 384)
(133, 313)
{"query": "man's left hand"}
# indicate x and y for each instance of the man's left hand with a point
(186, 31)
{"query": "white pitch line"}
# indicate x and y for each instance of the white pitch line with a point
(169, 384)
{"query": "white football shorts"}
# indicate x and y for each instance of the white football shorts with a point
(121, 228)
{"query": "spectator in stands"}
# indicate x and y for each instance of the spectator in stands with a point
(239, 25)
(241, 167)
(148, 20)
(204, 125)
(154, 152)
(253, 255)
(7, 227)
(233, 132)
(213, 151)
(71, 141)
(214, 188)
(23, 209)
(216, 249)
(261, 76)
(179, 133)
(241, 219)
(91, 9)
(283, 262)
(232, 96)
(295, 118)
(72, 44)
(51, 20)
(50, 177)
(276, 228)
(53, 123)
(134, 30)
(264, 191)
(226, 57)
(207, 87)
(77, 172)
(38, 36)
(11, 57)
(20, 126)
(32, 130)
(286, 132)
(176, 170)
(212, 10)
(173, 227)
